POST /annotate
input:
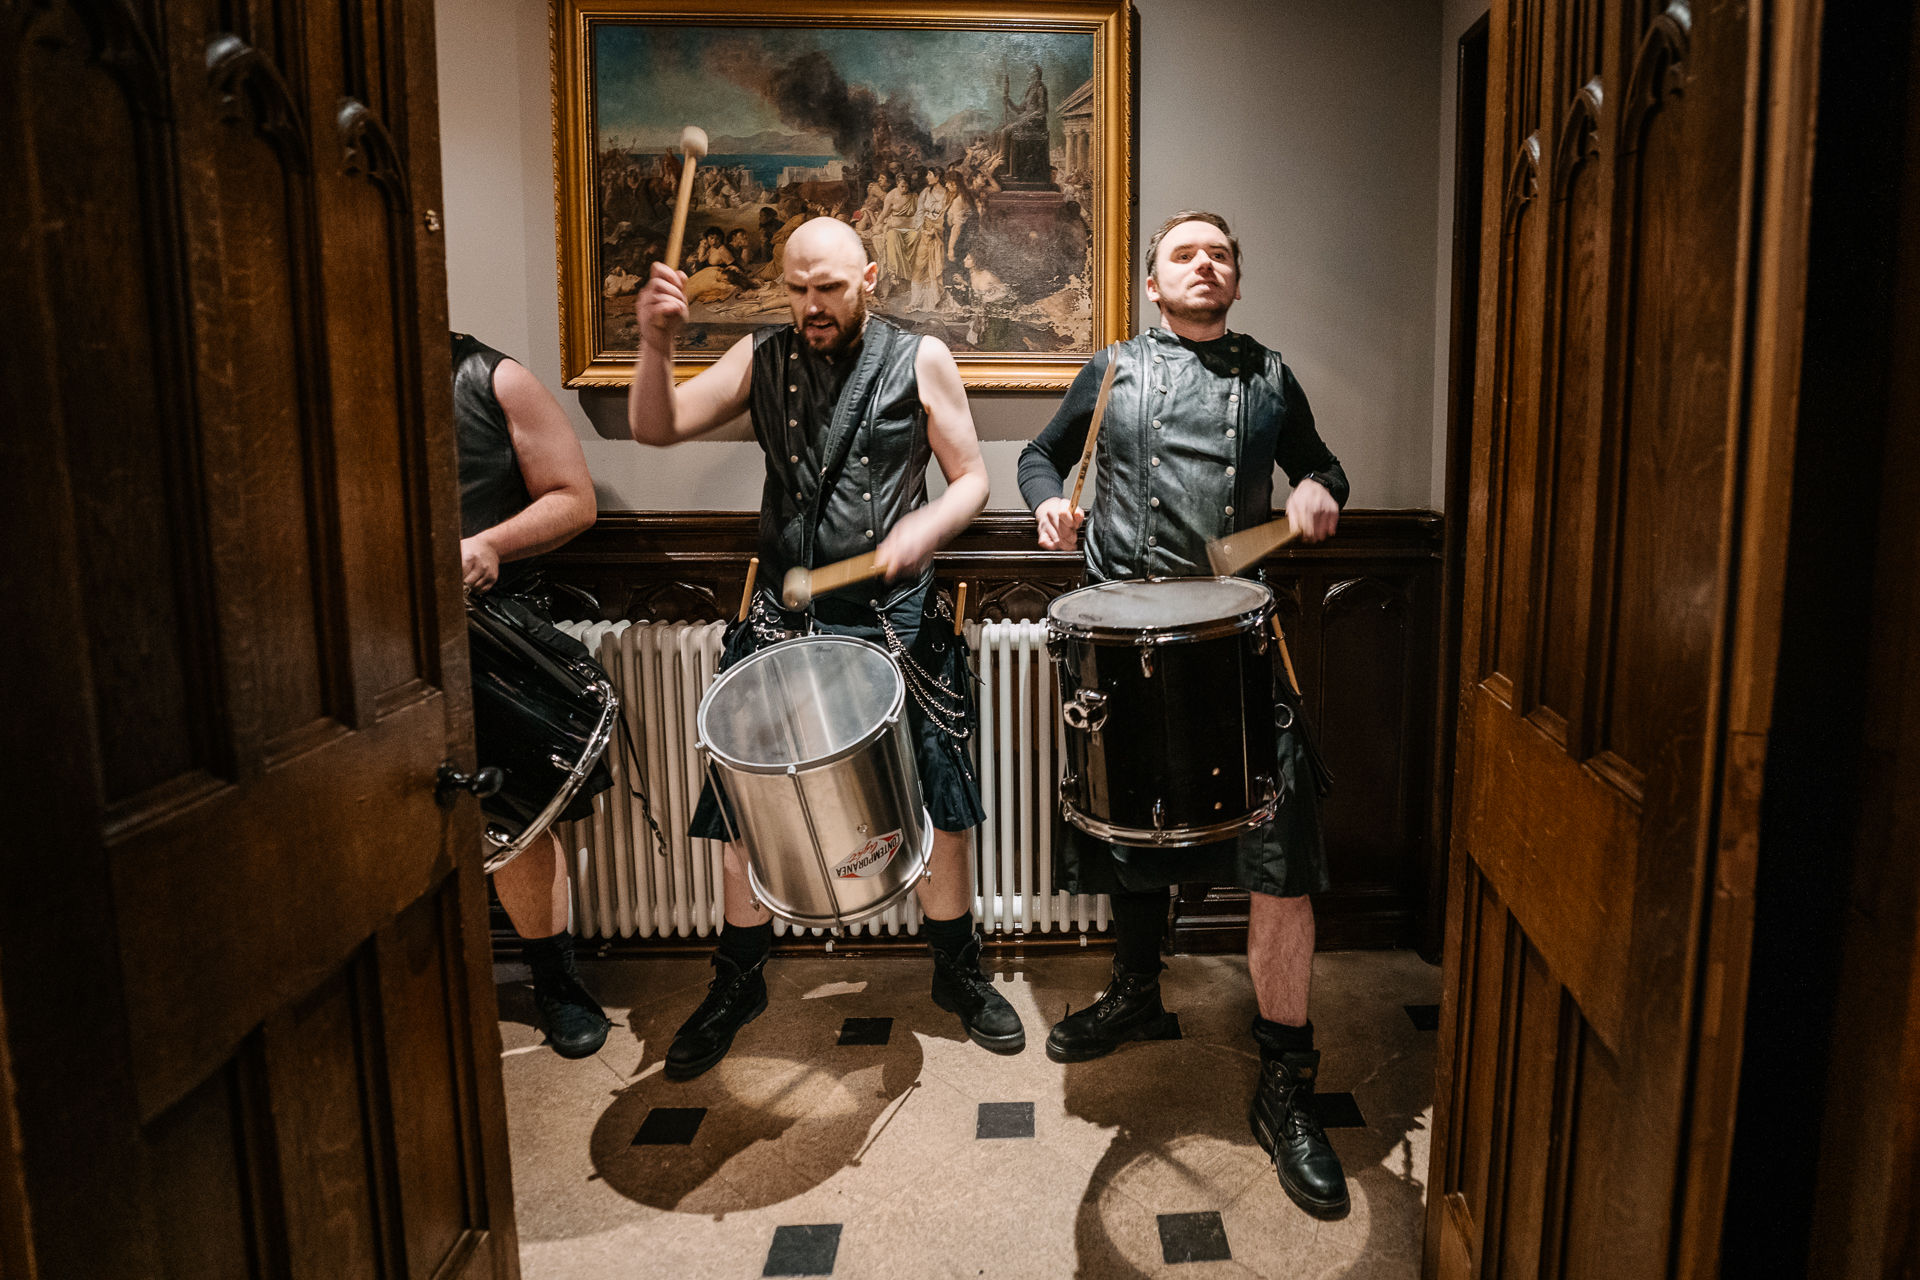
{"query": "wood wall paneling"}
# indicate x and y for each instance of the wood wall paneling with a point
(1361, 615)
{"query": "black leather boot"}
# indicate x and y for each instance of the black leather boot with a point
(959, 987)
(1129, 1009)
(735, 997)
(1284, 1122)
(576, 1024)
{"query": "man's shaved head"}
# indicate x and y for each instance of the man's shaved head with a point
(820, 240)
(828, 279)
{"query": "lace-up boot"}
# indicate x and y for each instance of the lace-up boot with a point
(735, 997)
(576, 1024)
(959, 987)
(1129, 1009)
(1285, 1124)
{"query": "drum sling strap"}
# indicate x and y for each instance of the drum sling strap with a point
(945, 706)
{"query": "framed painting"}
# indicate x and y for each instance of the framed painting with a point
(980, 150)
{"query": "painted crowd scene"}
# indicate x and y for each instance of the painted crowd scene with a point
(965, 160)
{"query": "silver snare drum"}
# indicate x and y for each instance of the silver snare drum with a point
(808, 739)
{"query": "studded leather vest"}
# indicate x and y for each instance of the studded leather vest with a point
(491, 487)
(847, 453)
(1187, 451)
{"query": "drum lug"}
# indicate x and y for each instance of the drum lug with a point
(1086, 710)
(1260, 641)
(1146, 657)
(1159, 820)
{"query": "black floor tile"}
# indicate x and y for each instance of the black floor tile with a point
(866, 1031)
(804, 1251)
(1193, 1237)
(1338, 1111)
(1426, 1017)
(669, 1126)
(1005, 1120)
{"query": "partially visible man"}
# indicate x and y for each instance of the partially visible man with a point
(524, 489)
(848, 410)
(1196, 421)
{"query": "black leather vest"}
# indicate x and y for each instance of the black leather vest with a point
(491, 487)
(846, 450)
(1186, 452)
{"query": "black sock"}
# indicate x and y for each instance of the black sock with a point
(1139, 925)
(1276, 1038)
(746, 945)
(547, 956)
(949, 937)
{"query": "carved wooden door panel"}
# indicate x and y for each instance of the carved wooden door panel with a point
(243, 953)
(1614, 668)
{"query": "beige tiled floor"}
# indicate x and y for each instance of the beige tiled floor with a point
(882, 1139)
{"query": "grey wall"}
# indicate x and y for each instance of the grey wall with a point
(1456, 16)
(1322, 131)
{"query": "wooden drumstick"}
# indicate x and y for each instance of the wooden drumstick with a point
(1093, 434)
(1285, 657)
(1231, 554)
(960, 611)
(802, 585)
(693, 145)
(746, 592)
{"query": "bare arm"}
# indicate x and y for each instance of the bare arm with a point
(659, 412)
(950, 431)
(555, 472)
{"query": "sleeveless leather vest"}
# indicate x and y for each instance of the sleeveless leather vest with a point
(846, 450)
(491, 487)
(1186, 452)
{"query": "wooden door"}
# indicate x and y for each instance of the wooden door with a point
(249, 1020)
(1637, 346)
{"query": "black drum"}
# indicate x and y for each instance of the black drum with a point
(543, 713)
(1166, 686)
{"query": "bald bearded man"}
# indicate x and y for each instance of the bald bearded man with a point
(848, 410)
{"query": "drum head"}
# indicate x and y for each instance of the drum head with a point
(1152, 605)
(802, 703)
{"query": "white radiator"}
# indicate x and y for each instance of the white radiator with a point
(623, 886)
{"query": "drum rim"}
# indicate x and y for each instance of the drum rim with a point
(873, 735)
(1213, 629)
(1169, 837)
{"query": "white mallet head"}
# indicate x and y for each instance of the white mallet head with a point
(796, 589)
(693, 141)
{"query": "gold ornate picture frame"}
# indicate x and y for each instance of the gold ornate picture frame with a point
(981, 150)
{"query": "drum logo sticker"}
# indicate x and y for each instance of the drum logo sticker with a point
(871, 858)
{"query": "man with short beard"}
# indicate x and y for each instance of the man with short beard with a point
(848, 410)
(1196, 421)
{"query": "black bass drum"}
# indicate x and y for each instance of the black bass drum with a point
(1166, 685)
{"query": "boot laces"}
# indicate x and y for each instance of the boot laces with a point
(724, 988)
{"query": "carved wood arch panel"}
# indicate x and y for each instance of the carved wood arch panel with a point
(111, 266)
(1518, 290)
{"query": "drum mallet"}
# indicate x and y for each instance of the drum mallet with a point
(1285, 657)
(802, 585)
(960, 612)
(693, 145)
(1237, 551)
(1093, 435)
(746, 592)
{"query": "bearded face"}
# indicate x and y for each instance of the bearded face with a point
(830, 325)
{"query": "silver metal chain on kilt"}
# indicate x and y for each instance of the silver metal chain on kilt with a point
(945, 706)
